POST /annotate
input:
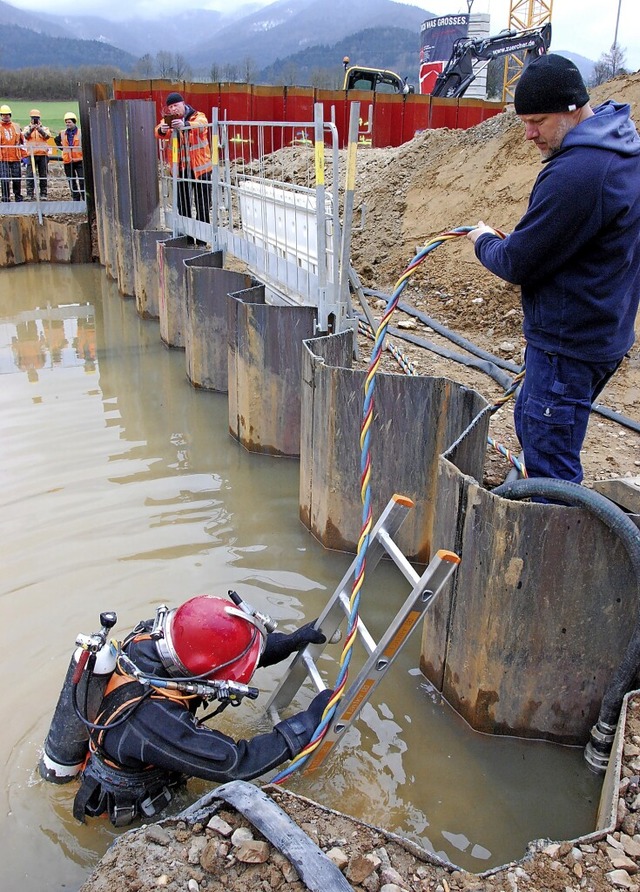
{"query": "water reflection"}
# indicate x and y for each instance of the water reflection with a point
(49, 337)
(121, 489)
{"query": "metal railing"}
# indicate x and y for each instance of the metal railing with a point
(272, 200)
(34, 194)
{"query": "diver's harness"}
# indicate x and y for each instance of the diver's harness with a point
(122, 792)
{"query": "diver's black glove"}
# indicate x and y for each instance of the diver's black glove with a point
(298, 730)
(280, 645)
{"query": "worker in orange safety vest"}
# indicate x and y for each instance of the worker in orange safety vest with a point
(36, 137)
(70, 141)
(11, 154)
(191, 129)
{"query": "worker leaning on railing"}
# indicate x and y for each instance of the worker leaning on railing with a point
(36, 137)
(70, 141)
(11, 154)
(191, 128)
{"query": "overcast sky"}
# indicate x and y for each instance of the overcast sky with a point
(586, 27)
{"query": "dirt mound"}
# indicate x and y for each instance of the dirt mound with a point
(447, 178)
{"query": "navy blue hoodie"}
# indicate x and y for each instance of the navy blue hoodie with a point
(576, 250)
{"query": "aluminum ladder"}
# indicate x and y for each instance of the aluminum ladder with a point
(381, 654)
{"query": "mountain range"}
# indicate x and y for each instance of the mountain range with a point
(300, 36)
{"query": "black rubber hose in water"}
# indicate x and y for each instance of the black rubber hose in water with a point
(599, 747)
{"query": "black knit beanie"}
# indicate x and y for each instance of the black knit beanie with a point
(174, 97)
(548, 85)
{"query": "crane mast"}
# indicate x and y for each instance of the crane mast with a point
(523, 15)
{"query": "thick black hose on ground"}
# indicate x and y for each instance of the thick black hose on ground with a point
(472, 348)
(621, 525)
(482, 365)
(452, 336)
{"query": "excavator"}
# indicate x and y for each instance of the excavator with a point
(461, 69)
(378, 80)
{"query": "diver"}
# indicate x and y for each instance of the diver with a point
(146, 739)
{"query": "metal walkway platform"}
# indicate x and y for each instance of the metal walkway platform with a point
(45, 208)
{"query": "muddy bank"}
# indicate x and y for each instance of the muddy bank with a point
(222, 850)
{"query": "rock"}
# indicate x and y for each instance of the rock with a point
(220, 826)
(623, 862)
(193, 886)
(157, 834)
(392, 887)
(213, 853)
(383, 855)
(390, 877)
(253, 851)
(241, 835)
(359, 867)
(196, 848)
(409, 324)
(338, 857)
(620, 879)
(631, 846)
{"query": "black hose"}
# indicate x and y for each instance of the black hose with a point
(621, 525)
(482, 365)
(452, 336)
(472, 348)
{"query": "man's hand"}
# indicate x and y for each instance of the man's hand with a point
(279, 645)
(480, 229)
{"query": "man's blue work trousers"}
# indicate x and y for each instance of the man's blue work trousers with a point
(552, 411)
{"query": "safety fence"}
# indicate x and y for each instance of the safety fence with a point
(39, 185)
(271, 197)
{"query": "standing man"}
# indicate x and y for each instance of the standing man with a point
(191, 128)
(38, 149)
(576, 255)
(70, 141)
(11, 154)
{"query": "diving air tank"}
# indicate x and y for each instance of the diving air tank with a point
(67, 743)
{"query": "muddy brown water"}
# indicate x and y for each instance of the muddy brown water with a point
(122, 490)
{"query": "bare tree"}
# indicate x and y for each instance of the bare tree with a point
(289, 74)
(326, 79)
(230, 72)
(145, 66)
(182, 69)
(215, 72)
(164, 64)
(609, 65)
(249, 70)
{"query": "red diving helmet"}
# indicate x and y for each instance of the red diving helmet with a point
(211, 638)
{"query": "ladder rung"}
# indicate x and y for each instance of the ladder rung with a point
(397, 557)
(339, 606)
(313, 673)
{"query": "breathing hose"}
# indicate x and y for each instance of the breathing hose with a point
(598, 748)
